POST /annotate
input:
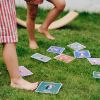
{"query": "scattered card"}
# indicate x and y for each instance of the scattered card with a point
(49, 87)
(64, 58)
(76, 46)
(55, 49)
(24, 71)
(96, 74)
(82, 54)
(40, 57)
(94, 61)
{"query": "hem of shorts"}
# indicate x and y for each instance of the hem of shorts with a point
(8, 39)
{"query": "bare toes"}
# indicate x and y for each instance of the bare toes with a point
(35, 85)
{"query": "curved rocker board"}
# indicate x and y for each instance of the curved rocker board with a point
(56, 24)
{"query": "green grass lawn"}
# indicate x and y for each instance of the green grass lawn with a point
(78, 83)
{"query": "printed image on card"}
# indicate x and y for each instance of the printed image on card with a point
(24, 71)
(82, 54)
(96, 74)
(40, 57)
(55, 49)
(64, 58)
(94, 61)
(49, 87)
(76, 46)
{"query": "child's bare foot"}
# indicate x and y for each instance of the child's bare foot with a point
(33, 45)
(45, 33)
(23, 84)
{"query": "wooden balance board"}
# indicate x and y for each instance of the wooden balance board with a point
(56, 24)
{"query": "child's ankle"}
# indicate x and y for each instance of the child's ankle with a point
(43, 28)
(15, 80)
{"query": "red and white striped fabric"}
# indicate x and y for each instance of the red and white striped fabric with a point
(8, 25)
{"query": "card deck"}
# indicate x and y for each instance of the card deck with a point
(64, 58)
(49, 87)
(40, 57)
(96, 74)
(24, 71)
(76, 46)
(55, 49)
(94, 61)
(82, 54)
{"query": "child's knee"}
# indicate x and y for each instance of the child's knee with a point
(61, 6)
(32, 15)
(32, 11)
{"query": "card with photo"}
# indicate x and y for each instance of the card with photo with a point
(64, 58)
(96, 74)
(94, 61)
(23, 71)
(49, 87)
(40, 57)
(55, 49)
(76, 46)
(82, 54)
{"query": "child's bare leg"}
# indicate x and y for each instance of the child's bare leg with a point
(10, 58)
(53, 14)
(31, 15)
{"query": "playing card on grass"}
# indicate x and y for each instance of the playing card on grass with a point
(55, 49)
(96, 74)
(40, 57)
(64, 58)
(94, 61)
(49, 87)
(82, 54)
(76, 46)
(24, 71)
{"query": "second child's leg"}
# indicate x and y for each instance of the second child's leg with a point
(31, 15)
(59, 5)
(10, 59)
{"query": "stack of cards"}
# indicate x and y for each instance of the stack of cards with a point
(76, 46)
(64, 58)
(24, 71)
(40, 57)
(55, 49)
(49, 87)
(96, 74)
(82, 54)
(94, 61)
